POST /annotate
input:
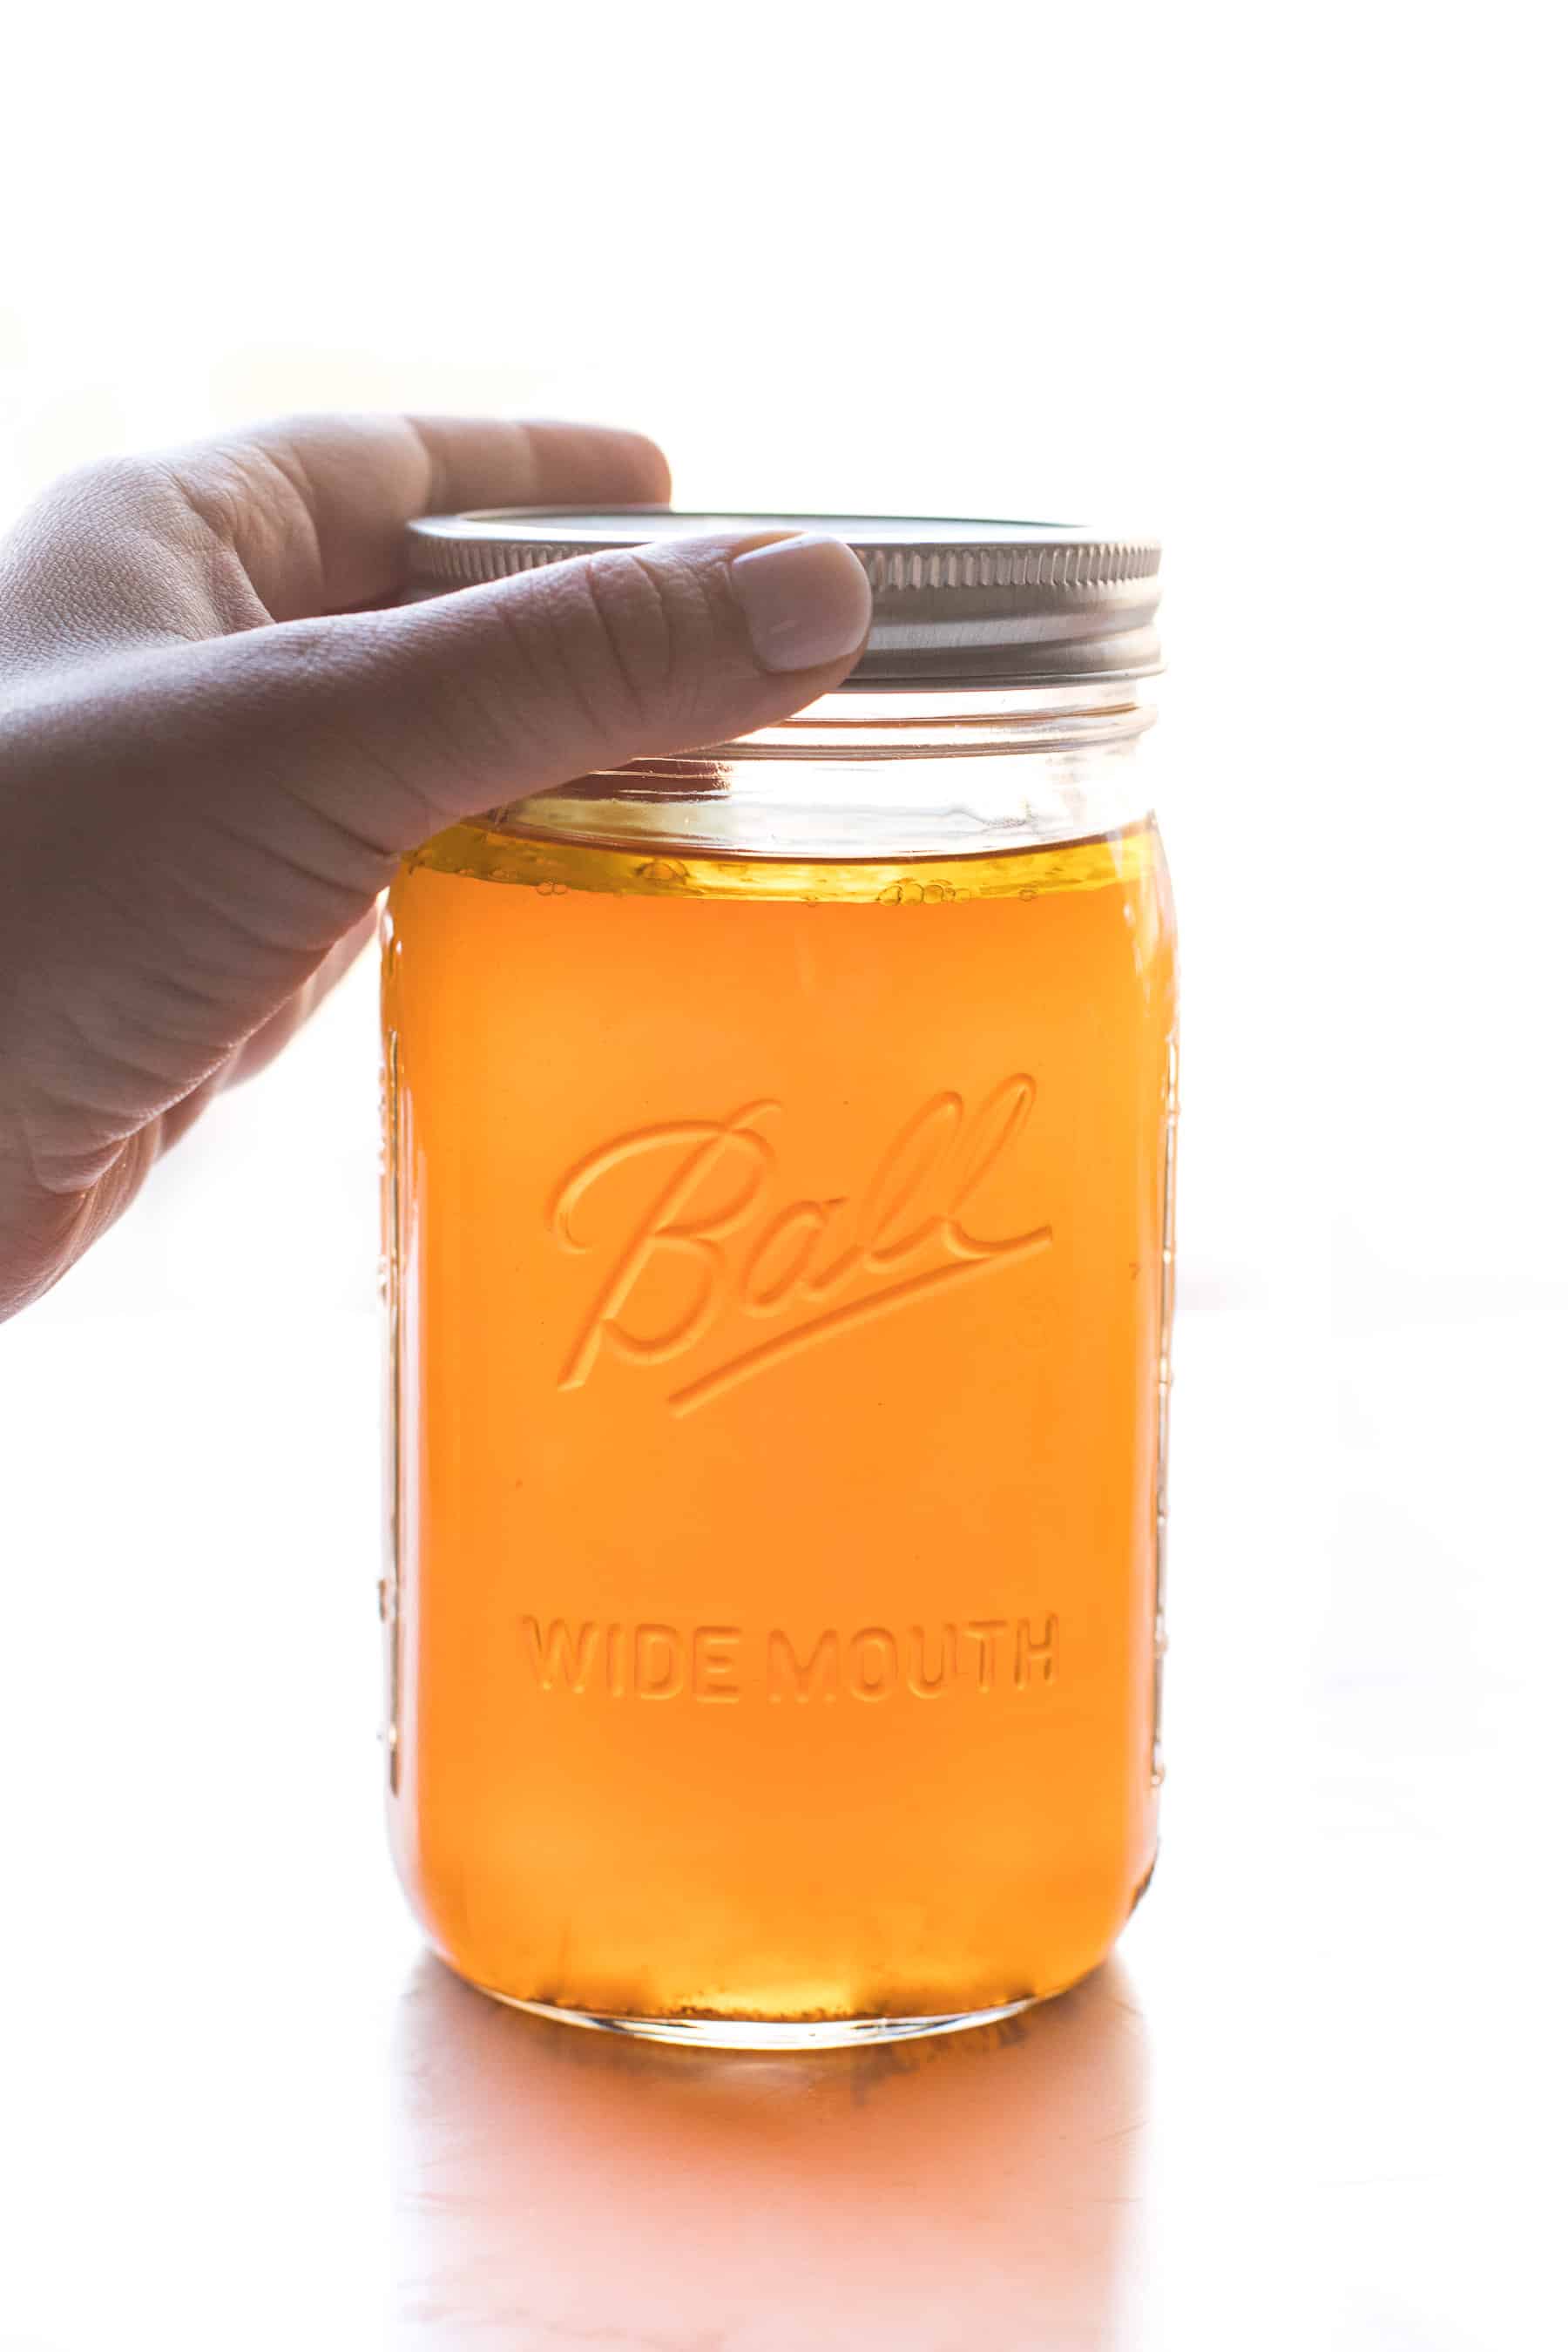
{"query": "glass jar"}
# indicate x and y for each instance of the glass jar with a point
(778, 1205)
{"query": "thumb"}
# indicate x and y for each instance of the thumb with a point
(190, 828)
(332, 746)
(187, 830)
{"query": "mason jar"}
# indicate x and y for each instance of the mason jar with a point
(778, 1201)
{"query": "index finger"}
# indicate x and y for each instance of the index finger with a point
(278, 522)
(314, 506)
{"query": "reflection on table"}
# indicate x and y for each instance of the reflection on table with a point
(560, 2186)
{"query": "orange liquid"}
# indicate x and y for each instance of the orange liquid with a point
(780, 1275)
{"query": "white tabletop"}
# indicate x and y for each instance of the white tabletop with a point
(1313, 2102)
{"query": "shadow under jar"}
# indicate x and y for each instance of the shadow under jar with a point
(778, 1207)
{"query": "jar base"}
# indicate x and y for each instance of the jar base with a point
(768, 2033)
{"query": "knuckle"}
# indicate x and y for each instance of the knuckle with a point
(537, 687)
(111, 494)
(640, 639)
(575, 667)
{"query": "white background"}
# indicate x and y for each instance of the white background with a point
(1285, 285)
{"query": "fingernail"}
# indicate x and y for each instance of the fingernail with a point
(805, 601)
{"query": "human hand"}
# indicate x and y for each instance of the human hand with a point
(213, 746)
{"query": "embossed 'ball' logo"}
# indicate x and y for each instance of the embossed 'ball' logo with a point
(714, 1212)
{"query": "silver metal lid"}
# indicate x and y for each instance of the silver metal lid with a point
(950, 600)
